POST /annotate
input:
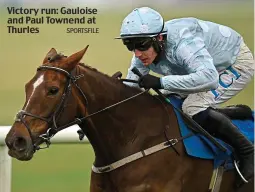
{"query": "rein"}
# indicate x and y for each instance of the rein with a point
(52, 121)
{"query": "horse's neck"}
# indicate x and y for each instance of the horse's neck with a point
(125, 128)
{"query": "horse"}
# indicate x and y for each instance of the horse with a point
(119, 121)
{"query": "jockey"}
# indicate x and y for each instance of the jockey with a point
(207, 62)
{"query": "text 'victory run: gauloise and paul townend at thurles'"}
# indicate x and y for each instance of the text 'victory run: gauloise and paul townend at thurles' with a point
(29, 19)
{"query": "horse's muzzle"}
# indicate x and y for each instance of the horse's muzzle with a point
(21, 156)
(20, 148)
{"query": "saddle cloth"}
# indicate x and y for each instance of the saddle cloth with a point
(201, 147)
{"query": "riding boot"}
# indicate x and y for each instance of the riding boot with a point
(241, 112)
(221, 127)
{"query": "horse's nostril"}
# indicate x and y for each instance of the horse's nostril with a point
(20, 144)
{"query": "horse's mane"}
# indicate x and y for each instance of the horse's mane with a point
(127, 90)
(116, 81)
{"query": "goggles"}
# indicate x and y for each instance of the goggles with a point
(141, 44)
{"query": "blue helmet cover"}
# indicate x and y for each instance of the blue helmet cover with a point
(142, 22)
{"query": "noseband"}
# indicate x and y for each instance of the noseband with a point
(52, 120)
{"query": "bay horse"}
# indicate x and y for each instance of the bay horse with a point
(63, 91)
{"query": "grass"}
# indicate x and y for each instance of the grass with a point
(59, 168)
(67, 167)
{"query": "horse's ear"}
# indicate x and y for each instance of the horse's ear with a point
(74, 59)
(49, 55)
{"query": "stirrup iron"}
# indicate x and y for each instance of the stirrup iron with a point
(239, 172)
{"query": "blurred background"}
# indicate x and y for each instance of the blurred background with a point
(67, 167)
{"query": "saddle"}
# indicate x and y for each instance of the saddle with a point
(199, 146)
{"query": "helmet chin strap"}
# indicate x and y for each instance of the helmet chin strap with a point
(158, 47)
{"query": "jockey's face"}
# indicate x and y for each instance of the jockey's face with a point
(142, 48)
(146, 57)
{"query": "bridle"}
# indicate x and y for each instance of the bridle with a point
(52, 119)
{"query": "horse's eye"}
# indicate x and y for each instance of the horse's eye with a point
(53, 91)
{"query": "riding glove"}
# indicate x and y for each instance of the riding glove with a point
(149, 81)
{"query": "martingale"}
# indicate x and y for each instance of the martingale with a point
(78, 10)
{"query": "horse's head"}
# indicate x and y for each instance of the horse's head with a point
(46, 96)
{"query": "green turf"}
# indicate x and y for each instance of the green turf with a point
(67, 167)
(59, 168)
